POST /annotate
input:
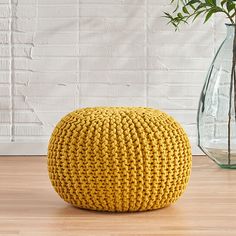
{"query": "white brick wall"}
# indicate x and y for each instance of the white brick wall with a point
(58, 55)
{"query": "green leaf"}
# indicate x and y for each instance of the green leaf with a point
(201, 5)
(223, 2)
(185, 10)
(211, 2)
(230, 6)
(210, 13)
(191, 2)
(180, 15)
(197, 14)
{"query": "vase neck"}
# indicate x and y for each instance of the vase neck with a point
(230, 30)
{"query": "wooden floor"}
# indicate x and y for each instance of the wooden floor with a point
(30, 207)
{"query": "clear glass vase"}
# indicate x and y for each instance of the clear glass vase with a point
(216, 111)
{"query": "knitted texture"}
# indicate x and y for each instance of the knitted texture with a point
(119, 159)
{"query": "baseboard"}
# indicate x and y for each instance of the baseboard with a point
(20, 148)
(196, 150)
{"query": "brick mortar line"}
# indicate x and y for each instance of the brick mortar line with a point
(146, 52)
(78, 53)
(11, 73)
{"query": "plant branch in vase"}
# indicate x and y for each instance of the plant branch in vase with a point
(217, 105)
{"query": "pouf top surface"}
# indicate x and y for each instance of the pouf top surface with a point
(105, 112)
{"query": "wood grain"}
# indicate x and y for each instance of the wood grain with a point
(30, 207)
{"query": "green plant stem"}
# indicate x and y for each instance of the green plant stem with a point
(230, 17)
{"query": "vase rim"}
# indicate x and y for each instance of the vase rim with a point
(230, 24)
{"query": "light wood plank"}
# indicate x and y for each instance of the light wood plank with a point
(30, 207)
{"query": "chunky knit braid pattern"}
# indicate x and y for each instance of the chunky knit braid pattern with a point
(119, 159)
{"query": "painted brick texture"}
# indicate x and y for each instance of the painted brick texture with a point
(58, 55)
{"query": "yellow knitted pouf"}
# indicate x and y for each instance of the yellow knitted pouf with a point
(119, 159)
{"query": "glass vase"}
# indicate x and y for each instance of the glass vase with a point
(217, 105)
